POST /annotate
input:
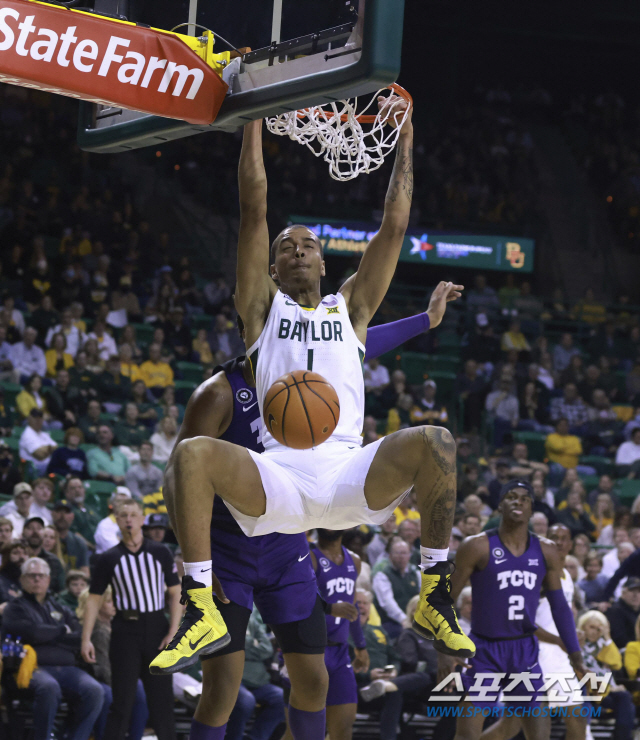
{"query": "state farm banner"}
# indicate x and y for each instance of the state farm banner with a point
(103, 61)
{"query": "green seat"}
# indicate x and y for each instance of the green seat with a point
(87, 447)
(535, 443)
(159, 465)
(184, 389)
(144, 332)
(17, 432)
(11, 391)
(13, 443)
(448, 363)
(627, 490)
(603, 465)
(99, 487)
(590, 481)
(414, 365)
(57, 435)
(201, 321)
(445, 382)
(191, 371)
(448, 339)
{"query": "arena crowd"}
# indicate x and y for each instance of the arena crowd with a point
(104, 334)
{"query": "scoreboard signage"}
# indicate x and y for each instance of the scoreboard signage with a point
(482, 252)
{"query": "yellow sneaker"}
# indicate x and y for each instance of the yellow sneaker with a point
(201, 632)
(435, 617)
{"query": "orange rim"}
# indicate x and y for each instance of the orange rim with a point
(370, 118)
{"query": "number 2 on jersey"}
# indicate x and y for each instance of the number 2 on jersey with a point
(516, 607)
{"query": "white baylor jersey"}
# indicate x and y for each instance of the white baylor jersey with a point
(322, 340)
(544, 618)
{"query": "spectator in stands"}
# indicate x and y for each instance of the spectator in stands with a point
(256, 688)
(513, 338)
(155, 527)
(106, 462)
(406, 509)
(605, 485)
(13, 556)
(125, 299)
(51, 541)
(19, 514)
(70, 459)
(593, 585)
(201, 350)
(164, 439)
(539, 524)
(95, 364)
(36, 446)
(602, 514)
(428, 409)
(503, 409)
(400, 416)
(90, 422)
(563, 352)
(418, 670)
(470, 524)
(623, 614)
(43, 317)
(57, 358)
(224, 340)
(16, 319)
(155, 373)
(376, 376)
(482, 298)
(376, 549)
(74, 337)
(563, 449)
(471, 388)
(381, 653)
(54, 632)
(589, 310)
(83, 379)
(32, 536)
(482, 345)
(6, 364)
(63, 401)
(107, 532)
(113, 386)
(570, 407)
(574, 373)
(144, 477)
(75, 555)
(601, 656)
(6, 532)
(30, 398)
(85, 519)
(128, 367)
(628, 456)
(76, 582)
(128, 339)
(178, 334)
(409, 531)
(394, 586)
(521, 466)
(106, 343)
(9, 474)
(130, 431)
(575, 517)
(216, 293)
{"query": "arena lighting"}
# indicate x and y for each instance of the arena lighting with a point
(111, 62)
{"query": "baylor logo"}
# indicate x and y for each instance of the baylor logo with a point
(328, 331)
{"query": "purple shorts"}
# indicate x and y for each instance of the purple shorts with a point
(342, 679)
(508, 657)
(273, 570)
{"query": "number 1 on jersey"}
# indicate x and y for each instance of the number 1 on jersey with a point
(309, 359)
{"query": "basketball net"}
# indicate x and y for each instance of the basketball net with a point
(335, 132)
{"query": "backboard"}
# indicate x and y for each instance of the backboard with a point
(304, 52)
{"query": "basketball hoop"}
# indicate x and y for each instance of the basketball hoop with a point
(335, 132)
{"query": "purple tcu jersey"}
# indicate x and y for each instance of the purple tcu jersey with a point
(273, 570)
(507, 592)
(336, 583)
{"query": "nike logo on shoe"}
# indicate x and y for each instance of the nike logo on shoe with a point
(193, 645)
(303, 557)
(246, 408)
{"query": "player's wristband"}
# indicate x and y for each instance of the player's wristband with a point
(357, 635)
(562, 616)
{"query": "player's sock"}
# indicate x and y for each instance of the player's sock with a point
(200, 572)
(429, 557)
(307, 725)
(205, 732)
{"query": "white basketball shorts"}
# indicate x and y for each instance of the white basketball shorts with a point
(554, 660)
(320, 487)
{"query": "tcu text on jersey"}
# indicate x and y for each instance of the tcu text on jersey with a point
(517, 578)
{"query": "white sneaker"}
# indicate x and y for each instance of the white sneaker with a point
(373, 690)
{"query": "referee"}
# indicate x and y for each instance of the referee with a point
(138, 570)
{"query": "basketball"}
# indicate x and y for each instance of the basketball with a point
(301, 409)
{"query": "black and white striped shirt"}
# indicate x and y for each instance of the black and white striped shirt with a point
(138, 578)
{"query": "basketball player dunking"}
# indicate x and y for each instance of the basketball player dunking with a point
(508, 567)
(273, 569)
(338, 484)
